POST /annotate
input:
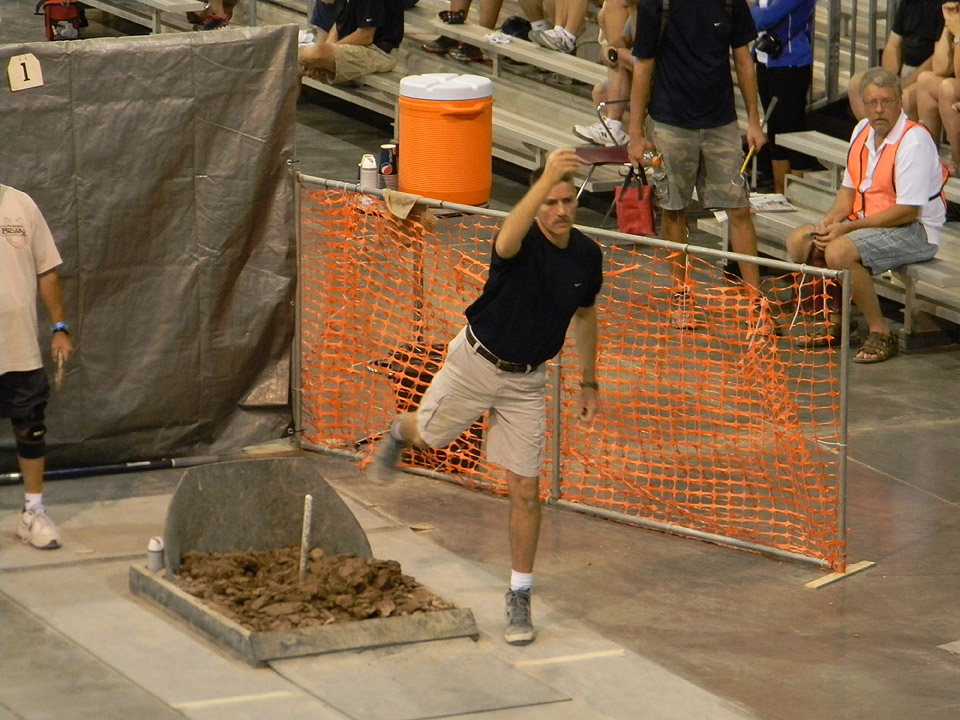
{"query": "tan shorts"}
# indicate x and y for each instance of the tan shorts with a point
(355, 61)
(709, 160)
(466, 387)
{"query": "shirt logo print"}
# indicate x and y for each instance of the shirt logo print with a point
(13, 232)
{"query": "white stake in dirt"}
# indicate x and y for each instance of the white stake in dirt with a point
(305, 535)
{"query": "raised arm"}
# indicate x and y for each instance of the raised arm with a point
(560, 162)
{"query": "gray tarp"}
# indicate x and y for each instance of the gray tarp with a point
(161, 166)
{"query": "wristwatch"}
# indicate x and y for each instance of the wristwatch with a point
(61, 327)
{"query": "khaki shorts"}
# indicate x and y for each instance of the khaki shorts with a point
(709, 160)
(355, 61)
(466, 387)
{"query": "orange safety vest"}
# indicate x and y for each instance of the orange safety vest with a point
(883, 190)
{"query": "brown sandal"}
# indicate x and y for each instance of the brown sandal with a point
(879, 347)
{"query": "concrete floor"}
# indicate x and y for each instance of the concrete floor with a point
(710, 632)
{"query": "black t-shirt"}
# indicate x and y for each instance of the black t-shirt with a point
(527, 303)
(919, 24)
(692, 84)
(384, 15)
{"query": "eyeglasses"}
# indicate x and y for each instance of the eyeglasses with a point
(884, 104)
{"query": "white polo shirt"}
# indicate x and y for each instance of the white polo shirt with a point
(916, 170)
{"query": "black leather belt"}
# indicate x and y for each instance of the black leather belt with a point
(510, 367)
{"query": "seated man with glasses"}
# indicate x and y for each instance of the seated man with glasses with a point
(888, 212)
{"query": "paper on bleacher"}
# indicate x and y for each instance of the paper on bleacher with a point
(762, 202)
(770, 202)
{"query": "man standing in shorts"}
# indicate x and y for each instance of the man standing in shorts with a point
(28, 262)
(363, 40)
(682, 78)
(889, 209)
(543, 273)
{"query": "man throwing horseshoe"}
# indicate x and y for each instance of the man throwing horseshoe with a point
(543, 274)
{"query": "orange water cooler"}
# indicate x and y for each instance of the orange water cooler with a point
(446, 137)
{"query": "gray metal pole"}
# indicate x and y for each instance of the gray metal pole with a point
(853, 39)
(872, 32)
(846, 294)
(557, 434)
(832, 69)
(296, 352)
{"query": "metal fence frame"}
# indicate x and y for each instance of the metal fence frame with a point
(555, 478)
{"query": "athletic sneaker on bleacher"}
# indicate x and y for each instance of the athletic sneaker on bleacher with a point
(598, 134)
(554, 39)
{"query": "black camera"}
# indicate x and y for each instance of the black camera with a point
(770, 45)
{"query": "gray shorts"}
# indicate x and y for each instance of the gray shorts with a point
(709, 160)
(883, 249)
(466, 387)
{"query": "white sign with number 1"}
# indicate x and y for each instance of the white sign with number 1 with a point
(24, 72)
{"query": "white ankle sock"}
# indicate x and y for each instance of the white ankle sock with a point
(33, 501)
(395, 431)
(539, 25)
(519, 580)
(614, 124)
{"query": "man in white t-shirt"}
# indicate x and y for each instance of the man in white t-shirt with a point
(889, 210)
(28, 262)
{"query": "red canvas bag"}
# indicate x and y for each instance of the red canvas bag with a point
(634, 205)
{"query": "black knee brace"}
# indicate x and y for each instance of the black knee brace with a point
(30, 434)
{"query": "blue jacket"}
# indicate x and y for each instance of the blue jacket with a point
(792, 22)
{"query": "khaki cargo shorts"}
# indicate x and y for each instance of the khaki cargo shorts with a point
(355, 61)
(466, 387)
(709, 160)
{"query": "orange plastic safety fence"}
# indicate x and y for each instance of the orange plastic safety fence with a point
(714, 417)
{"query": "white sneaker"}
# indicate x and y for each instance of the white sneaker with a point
(598, 135)
(306, 37)
(553, 40)
(37, 529)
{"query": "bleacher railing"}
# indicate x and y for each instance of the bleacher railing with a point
(724, 432)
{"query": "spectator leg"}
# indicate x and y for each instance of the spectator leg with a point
(928, 106)
(571, 15)
(489, 12)
(948, 98)
(743, 240)
(674, 224)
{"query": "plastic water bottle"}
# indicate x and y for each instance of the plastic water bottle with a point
(155, 554)
(652, 159)
(368, 170)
